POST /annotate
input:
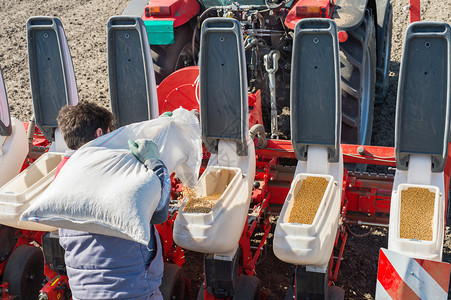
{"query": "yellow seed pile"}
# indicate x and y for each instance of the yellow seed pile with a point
(308, 200)
(417, 212)
(200, 205)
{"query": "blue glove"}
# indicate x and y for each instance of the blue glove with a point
(166, 114)
(143, 149)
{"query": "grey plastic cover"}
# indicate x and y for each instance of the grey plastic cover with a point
(133, 95)
(5, 118)
(423, 103)
(52, 76)
(223, 84)
(315, 96)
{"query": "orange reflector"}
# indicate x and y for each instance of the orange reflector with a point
(160, 11)
(308, 11)
(342, 36)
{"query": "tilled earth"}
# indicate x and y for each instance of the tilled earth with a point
(85, 25)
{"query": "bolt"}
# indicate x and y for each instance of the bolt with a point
(361, 150)
(411, 273)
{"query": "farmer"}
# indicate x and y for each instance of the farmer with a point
(104, 267)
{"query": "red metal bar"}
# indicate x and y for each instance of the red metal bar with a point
(245, 244)
(57, 286)
(249, 258)
(372, 155)
(4, 286)
(277, 148)
(344, 238)
(415, 13)
(267, 229)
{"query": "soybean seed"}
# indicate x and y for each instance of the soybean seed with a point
(200, 205)
(307, 200)
(417, 214)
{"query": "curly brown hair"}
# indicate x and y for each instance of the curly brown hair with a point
(79, 123)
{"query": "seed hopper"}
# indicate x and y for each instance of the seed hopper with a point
(252, 177)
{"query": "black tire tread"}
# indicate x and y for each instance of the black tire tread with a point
(165, 56)
(381, 81)
(352, 53)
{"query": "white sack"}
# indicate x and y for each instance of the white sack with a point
(178, 138)
(104, 189)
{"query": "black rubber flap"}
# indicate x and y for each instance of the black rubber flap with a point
(223, 84)
(52, 76)
(130, 70)
(423, 104)
(5, 118)
(315, 88)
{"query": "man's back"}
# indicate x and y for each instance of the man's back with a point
(104, 267)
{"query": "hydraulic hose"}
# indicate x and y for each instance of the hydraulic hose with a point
(258, 131)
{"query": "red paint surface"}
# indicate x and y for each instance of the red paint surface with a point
(415, 14)
(181, 10)
(438, 270)
(391, 281)
(167, 91)
(292, 19)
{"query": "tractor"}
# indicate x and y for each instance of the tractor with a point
(365, 30)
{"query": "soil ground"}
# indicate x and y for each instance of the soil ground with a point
(85, 25)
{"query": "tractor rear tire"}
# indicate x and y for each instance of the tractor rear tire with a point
(173, 282)
(358, 78)
(24, 271)
(383, 60)
(169, 58)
